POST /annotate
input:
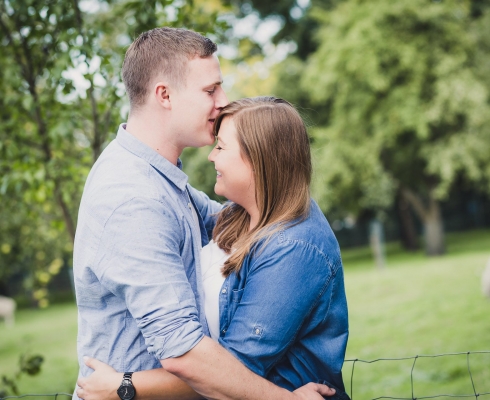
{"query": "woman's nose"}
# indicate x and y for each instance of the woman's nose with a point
(211, 156)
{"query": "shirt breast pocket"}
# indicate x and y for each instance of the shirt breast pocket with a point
(235, 298)
(236, 295)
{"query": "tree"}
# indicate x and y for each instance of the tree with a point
(62, 98)
(298, 24)
(407, 105)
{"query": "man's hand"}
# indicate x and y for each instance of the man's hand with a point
(313, 391)
(102, 384)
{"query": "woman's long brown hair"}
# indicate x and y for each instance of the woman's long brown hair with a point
(274, 140)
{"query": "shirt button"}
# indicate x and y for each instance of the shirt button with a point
(257, 331)
(224, 331)
(223, 291)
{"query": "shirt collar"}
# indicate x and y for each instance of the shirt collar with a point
(157, 161)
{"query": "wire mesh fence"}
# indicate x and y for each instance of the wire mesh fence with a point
(418, 384)
(429, 381)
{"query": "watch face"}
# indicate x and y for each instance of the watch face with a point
(126, 392)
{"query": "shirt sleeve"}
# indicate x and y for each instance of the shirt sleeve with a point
(207, 208)
(283, 286)
(139, 262)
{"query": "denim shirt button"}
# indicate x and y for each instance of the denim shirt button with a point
(223, 291)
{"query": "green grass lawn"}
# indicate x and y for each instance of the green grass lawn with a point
(51, 332)
(419, 306)
(416, 306)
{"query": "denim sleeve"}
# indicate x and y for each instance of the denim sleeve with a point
(284, 284)
(139, 262)
(206, 207)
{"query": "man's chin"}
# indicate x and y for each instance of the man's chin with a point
(202, 140)
(210, 141)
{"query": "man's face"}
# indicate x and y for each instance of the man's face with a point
(196, 105)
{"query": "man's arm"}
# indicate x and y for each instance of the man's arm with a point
(216, 374)
(155, 384)
(213, 372)
(139, 261)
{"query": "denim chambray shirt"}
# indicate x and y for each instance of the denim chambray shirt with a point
(284, 315)
(137, 259)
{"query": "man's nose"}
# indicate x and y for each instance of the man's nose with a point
(221, 99)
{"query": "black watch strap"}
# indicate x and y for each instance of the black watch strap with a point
(128, 376)
(126, 391)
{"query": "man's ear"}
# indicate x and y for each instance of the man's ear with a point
(162, 96)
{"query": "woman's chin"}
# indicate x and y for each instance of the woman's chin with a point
(217, 190)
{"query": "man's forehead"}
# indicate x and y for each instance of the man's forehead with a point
(208, 66)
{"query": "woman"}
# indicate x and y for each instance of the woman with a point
(272, 275)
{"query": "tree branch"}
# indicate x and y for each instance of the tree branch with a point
(97, 134)
(70, 226)
(10, 39)
(416, 202)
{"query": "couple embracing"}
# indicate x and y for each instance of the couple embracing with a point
(242, 300)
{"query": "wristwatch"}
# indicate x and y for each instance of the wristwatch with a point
(126, 391)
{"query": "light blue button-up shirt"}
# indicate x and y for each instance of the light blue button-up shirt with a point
(137, 259)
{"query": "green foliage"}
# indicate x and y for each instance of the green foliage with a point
(62, 98)
(37, 135)
(28, 365)
(400, 94)
(406, 104)
(298, 25)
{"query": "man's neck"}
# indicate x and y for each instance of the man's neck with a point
(151, 132)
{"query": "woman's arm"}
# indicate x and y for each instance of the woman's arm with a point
(153, 384)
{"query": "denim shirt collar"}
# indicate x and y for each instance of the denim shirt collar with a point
(173, 173)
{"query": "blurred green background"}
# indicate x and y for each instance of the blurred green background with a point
(396, 95)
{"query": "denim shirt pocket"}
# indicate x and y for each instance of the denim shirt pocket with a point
(236, 295)
(234, 301)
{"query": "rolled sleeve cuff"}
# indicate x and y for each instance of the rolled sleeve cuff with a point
(176, 343)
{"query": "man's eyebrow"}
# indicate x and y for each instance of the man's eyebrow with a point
(217, 83)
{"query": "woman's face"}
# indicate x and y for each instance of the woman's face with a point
(234, 175)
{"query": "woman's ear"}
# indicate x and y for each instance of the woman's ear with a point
(162, 95)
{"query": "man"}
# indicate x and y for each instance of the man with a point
(141, 228)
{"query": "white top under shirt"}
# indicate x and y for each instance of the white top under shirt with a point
(212, 260)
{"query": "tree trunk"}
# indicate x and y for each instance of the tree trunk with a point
(376, 240)
(434, 230)
(431, 218)
(409, 237)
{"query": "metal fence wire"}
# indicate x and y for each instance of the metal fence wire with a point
(353, 390)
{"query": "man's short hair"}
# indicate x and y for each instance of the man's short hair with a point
(164, 51)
